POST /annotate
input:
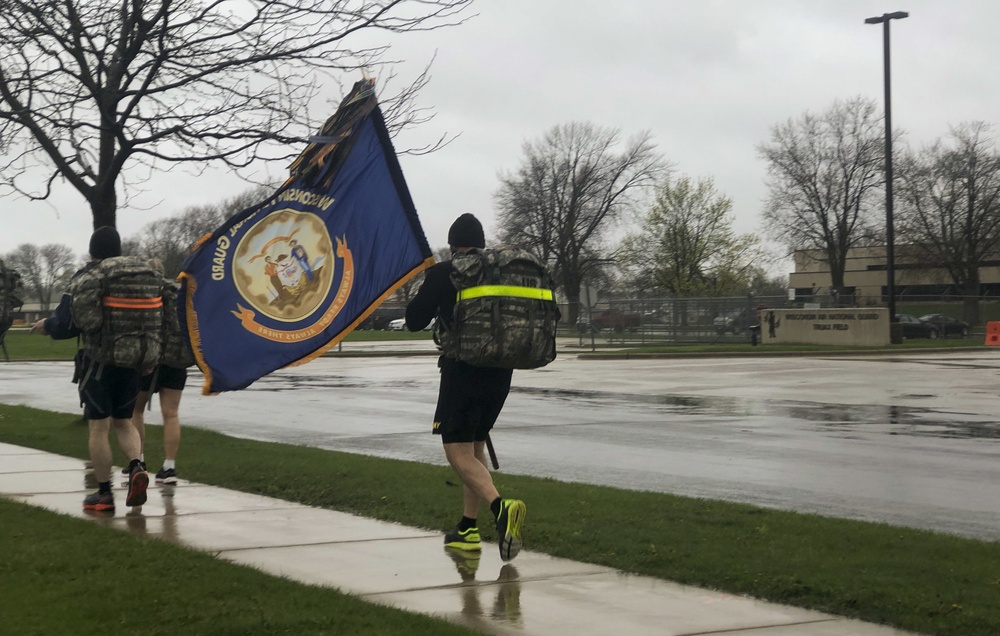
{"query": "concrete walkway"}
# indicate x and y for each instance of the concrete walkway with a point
(408, 568)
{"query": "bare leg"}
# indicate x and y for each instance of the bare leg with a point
(128, 439)
(170, 402)
(139, 418)
(469, 461)
(100, 448)
(470, 507)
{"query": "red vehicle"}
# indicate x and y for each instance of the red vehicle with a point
(615, 321)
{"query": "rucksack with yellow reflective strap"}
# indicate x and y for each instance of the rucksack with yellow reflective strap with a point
(118, 306)
(505, 314)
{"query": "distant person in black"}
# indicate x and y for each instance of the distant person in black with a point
(108, 396)
(469, 400)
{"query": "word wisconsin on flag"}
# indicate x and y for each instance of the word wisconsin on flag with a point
(281, 282)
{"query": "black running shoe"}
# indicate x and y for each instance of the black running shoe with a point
(509, 522)
(166, 476)
(99, 501)
(138, 482)
(463, 539)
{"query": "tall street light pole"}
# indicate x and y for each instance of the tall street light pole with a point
(884, 20)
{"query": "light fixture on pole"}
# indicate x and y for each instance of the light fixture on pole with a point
(884, 20)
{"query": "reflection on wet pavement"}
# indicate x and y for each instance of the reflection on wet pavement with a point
(508, 601)
(466, 562)
(909, 420)
(279, 382)
(507, 598)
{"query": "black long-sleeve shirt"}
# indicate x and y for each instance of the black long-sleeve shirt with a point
(436, 297)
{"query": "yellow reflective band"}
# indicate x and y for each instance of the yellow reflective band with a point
(533, 293)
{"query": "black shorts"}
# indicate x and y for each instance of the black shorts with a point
(469, 401)
(166, 378)
(109, 392)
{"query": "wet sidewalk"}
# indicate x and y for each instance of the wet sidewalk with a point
(408, 568)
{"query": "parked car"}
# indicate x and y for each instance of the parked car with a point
(736, 322)
(728, 323)
(914, 327)
(947, 325)
(399, 324)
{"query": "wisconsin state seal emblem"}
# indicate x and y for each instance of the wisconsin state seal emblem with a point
(285, 267)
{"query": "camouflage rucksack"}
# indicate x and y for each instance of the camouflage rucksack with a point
(505, 314)
(118, 306)
(176, 348)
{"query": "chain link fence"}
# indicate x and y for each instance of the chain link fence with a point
(651, 321)
(671, 321)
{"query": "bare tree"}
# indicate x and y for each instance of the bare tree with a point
(765, 284)
(825, 173)
(950, 207)
(687, 246)
(102, 92)
(571, 188)
(45, 270)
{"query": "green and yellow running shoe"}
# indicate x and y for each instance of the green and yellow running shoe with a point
(509, 522)
(463, 539)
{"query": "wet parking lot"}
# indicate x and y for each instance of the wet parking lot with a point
(909, 440)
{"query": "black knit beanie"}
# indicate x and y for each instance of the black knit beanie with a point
(105, 243)
(466, 231)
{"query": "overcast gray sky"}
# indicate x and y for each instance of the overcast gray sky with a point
(708, 79)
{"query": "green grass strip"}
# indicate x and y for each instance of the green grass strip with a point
(920, 581)
(60, 576)
(23, 346)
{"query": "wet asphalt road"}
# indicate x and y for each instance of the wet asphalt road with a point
(907, 440)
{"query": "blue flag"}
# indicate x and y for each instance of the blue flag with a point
(282, 282)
